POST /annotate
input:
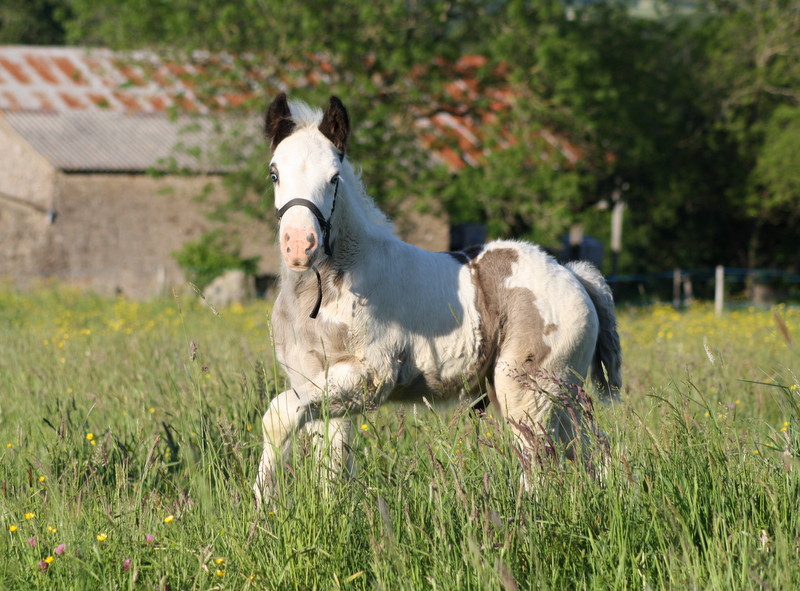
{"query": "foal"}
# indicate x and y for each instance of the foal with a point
(363, 318)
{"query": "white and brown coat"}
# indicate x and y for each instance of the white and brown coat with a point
(397, 323)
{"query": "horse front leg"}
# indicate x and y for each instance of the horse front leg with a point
(282, 419)
(348, 388)
(330, 440)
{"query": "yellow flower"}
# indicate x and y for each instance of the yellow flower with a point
(49, 560)
(51, 529)
(169, 519)
(12, 528)
(365, 427)
(102, 537)
(29, 516)
(219, 572)
(89, 436)
(786, 423)
(151, 410)
(42, 478)
(755, 451)
(9, 445)
(219, 561)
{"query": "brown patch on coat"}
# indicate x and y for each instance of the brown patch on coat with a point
(489, 272)
(510, 321)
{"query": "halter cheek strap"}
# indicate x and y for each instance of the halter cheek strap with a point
(326, 233)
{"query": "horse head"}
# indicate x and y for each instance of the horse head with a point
(307, 154)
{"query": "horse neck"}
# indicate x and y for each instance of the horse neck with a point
(357, 221)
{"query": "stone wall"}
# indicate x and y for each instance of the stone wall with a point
(25, 175)
(26, 194)
(117, 233)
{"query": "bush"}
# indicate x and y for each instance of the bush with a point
(207, 258)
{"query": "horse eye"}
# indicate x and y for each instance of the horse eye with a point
(273, 177)
(335, 179)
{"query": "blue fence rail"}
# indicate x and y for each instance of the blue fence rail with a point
(724, 285)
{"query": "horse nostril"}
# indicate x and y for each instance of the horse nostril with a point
(311, 242)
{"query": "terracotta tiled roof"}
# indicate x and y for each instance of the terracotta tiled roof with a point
(471, 105)
(71, 80)
(114, 141)
(77, 79)
(99, 110)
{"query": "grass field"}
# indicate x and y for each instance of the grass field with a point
(130, 433)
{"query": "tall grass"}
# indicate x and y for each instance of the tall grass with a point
(130, 434)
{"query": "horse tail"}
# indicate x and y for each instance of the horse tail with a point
(607, 360)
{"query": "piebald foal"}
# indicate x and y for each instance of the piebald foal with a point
(363, 318)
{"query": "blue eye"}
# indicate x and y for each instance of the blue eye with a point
(273, 177)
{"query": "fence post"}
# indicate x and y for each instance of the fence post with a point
(676, 288)
(719, 290)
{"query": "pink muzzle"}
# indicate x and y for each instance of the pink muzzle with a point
(299, 246)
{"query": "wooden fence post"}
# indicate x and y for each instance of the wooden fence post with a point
(719, 290)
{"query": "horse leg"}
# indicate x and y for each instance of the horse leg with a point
(349, 388)
(330, 439)
(544, 412)
(283, 417)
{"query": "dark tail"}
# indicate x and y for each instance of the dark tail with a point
(607, 361)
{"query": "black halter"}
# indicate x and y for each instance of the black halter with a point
(325, 225)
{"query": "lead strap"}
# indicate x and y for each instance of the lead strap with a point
(315, 311)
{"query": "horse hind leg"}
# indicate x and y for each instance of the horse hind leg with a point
(547, 415)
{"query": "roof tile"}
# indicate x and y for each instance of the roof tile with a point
(70, 80)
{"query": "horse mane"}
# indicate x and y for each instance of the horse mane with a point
(305, 117)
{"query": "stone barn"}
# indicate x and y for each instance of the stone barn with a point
(79, 202)
(81, 134)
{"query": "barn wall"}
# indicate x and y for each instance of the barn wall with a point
(117, 233)
(25, 175)
(26, 193)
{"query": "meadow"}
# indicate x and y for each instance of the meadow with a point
(130, 434)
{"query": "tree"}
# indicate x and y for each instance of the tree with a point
(33, 22)
(754, 66)
(691, 118)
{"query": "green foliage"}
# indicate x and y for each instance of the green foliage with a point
(777, 168)
(33, 22)
(208, 257)
(681, 113)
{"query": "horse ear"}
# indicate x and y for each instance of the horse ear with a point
(278, 122)
(336, 125)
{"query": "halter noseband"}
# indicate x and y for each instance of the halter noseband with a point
(325, 225)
